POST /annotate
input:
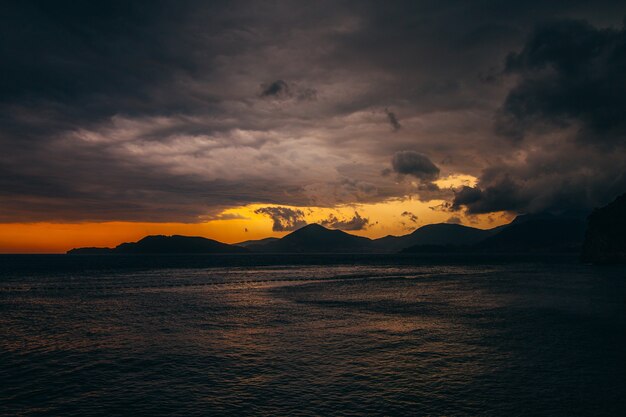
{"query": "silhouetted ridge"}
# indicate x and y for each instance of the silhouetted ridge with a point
(528, 233)
(160, 244)
(605, 239)
(435, 235)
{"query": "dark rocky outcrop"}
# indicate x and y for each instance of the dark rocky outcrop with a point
(540, 233)
(605, 239)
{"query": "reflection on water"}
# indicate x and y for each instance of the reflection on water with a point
(383, 338)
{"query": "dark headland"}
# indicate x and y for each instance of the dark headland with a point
(605, 239)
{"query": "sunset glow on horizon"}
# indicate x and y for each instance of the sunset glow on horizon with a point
(233, 226)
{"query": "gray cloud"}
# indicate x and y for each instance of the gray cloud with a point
(285, 219)
(281, 90)
(564, 178)
(355, 223)
(502, 194)
(415, 164)
(278, 89)
(393, 120)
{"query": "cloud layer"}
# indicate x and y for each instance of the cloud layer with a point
(159, 112)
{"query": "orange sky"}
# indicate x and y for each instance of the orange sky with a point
(385, 218)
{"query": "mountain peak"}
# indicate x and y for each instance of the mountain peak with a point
(315, 238)
(312, 226)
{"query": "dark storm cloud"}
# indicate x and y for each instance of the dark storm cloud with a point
(568, 105)
(284, 219)
(278, 89)
(92, 60)
(565, 179)
(501, 194)
(569, 72)
(153, 110)
(355, 223)
(415, 164)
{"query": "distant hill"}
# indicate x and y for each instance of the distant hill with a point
(248, 243)
(605, 239)
(435, 235)
(314, 238)
(90, 251)
(160, 244)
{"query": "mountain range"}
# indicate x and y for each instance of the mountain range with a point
(527, 233)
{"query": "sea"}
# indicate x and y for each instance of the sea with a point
(311, 335)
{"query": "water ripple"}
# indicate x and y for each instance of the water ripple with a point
(345, 340)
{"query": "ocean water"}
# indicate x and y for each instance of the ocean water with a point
(316, 335)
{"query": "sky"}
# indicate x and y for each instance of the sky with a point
(240, 120)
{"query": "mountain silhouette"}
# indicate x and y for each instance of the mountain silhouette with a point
(160, 244)
(434, 235)
(314, 238)
(605, 239)
(527, 233)
(541, 232)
